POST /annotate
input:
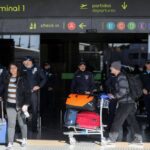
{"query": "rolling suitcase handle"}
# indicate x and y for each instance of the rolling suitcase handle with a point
(2, 108)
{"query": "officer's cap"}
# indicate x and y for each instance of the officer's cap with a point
(82, 63)
(30, 58)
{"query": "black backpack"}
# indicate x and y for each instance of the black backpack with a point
(135, 86)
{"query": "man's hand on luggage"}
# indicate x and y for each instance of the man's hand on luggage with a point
(87, 92)
(111, 96)
(145, 91)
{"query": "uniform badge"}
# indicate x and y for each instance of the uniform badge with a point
(86, 77)
(1, 71)
(34, 70)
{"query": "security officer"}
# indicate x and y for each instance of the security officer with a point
(110, 88)
(37, 80)
(83, 80)
(145, 77)
(48, 91)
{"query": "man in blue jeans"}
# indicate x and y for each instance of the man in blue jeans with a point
(126, 106)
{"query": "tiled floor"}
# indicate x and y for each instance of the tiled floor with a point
(61, 145)
(51, 138)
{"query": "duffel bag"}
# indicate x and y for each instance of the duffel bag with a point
(89, 120)
(81, 102)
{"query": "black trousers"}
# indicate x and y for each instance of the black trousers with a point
(124, 112)
(147, 106)
(34, 109)
(112, 110)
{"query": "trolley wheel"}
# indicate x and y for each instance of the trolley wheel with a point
(72, 141)
(103, 141)
(103, 144)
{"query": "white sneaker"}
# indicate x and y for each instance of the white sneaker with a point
(9, 146)
(24, 142)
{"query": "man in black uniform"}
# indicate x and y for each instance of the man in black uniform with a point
(37, 80)
(48, 91)
(110, 88)
(83, 80)
(145, 77)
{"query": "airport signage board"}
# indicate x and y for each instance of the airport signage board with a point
(120, 25)
(75, 25)
(74, 8)
(46, 25)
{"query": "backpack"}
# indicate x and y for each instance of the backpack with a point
(135, 86)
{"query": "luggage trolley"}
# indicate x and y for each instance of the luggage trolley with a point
(77, 130)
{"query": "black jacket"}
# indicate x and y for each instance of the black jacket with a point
(145, 78)
(50, 78)
(110, 84)
(122, 91)
(3, 75)
(35, 75)
(23, 92)
(83, 81)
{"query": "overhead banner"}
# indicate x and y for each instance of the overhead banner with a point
(74, 8)
(75, 25)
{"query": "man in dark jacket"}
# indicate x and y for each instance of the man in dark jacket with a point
(110, 88)
(145, 77)
(48, 91)
(126, 106)
(83, 80)
(3, 75)
(37, 80)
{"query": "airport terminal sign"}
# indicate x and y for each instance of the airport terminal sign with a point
(75, 25)
(74, 8)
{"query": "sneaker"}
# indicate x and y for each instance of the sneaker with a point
(136, 142)
(109, 142)
(24, 142)
(9, 146)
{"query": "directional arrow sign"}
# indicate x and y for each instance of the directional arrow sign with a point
(82, 25)
(124, 5)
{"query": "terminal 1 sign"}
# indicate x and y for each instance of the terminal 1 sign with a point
(74, 8)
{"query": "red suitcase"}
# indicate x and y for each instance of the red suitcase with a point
(89, 120)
